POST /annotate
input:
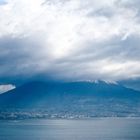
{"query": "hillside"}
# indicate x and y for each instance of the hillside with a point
(75, 98)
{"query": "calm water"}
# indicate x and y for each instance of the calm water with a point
(95, 129)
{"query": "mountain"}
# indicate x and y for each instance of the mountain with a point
(75, 99)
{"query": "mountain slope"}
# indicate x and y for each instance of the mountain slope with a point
(85, 98)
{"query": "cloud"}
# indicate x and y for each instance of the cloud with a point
(5, 88)
(70, 40)
(2, 2)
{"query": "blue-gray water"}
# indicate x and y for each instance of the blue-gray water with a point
(95, 129)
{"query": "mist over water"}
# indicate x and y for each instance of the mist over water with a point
(94, 129)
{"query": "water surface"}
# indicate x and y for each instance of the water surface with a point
(95, 129)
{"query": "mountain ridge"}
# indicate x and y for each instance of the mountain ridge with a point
(85, 98)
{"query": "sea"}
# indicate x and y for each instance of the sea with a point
(66, 129)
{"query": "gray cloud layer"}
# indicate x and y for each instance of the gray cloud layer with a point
(70, 40)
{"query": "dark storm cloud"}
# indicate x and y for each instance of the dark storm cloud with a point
(20, 58)
(69, 40)
(100, 54)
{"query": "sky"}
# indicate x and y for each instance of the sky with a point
(70, 40)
